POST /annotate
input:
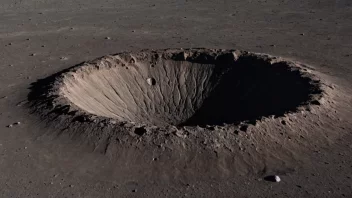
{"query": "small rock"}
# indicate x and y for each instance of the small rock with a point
(71, 186)
(25, 147)
(277, 178)
(302, 34)
(17, 123)
(33, 54)
(113, 122)
(108, 38)
(9, 126)
(134, 190)
(272, 178)
(51, 183)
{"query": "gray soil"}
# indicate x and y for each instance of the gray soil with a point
(180, 122)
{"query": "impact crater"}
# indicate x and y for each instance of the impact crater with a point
(185, 87)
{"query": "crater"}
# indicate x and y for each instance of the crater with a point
(184, 87)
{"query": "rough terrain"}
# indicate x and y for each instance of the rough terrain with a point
(310, 151)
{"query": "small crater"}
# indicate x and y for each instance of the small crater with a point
(151, 81)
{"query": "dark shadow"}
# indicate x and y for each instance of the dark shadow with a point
(253, 88)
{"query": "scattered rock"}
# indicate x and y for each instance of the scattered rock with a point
(180, 134)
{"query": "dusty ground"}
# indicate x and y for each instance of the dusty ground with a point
(40, 38)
